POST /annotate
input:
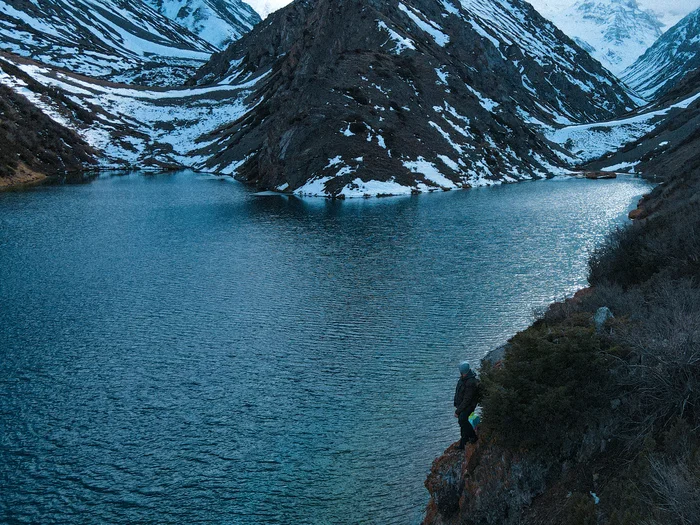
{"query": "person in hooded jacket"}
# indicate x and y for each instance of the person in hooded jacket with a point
(466, 399)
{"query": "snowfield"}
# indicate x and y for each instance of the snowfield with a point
(591, 141)
(138, 127)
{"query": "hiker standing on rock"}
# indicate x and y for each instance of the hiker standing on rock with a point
(466, 399)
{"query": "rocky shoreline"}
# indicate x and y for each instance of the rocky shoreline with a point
(22, 177)
(555, 448)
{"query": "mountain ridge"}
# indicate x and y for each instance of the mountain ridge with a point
(348, 95)
(665, 63)
(219, 22)
(107, 39)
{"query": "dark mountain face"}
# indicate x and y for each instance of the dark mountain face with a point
(387, 96)
(118, 40)
(664, 64)
(31, 144)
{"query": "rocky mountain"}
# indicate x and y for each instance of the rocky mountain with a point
(615, 32)
(219, 22)
(665, 63)
(393, 96)
(33, 147)
(108, 39)
(671, 139)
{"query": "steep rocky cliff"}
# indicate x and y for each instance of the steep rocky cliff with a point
(395, 97)
(482, 484)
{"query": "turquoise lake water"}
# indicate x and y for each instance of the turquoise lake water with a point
(175, 349)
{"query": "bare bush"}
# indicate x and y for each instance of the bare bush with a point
(665, 376)
(559, 311)
(677, 491)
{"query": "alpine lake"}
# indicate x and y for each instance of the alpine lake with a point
(175, 349)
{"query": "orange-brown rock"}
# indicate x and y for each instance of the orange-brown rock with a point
(582, 293)
(600, 175)
(485, 483)
(638, 213)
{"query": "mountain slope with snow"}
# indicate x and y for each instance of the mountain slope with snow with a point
(32, 146)
(615, 32)
(341, 98)
(673, 56)
(401, 96)
(664, 137)
(219, 22)
(131, 127)
(656, 139)
(108, 39)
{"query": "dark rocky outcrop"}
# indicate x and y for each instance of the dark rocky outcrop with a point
(481, 484)
(419, 94)
(33, 147)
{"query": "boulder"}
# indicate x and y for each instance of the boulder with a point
(602, 316)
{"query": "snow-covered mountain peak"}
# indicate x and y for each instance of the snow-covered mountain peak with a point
(671, 57)
(615, 32)
(219, 22)
(110, 39)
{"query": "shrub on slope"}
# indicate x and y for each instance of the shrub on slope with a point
(617, 412)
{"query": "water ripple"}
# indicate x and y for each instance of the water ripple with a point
(173, 350)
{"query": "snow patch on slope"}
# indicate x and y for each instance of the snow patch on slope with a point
(400, 43)
(141, 127)
(428, 26)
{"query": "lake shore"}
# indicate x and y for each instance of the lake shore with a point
(352, 311)
(23, 177)
(550, 458)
